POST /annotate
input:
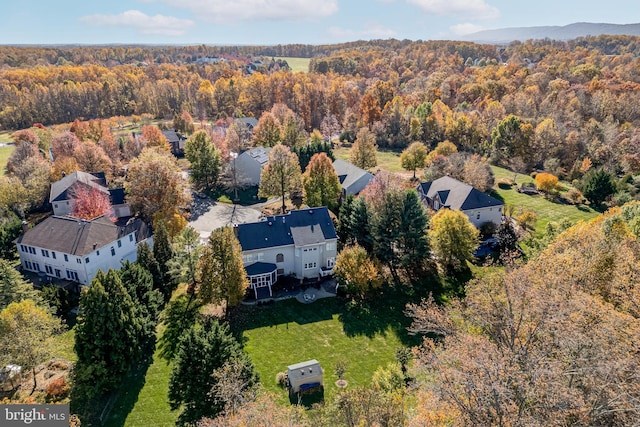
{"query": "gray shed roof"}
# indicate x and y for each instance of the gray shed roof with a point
(352, 179)
(457, 195)
(302, 371)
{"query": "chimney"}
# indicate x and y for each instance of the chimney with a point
(235, 230)
(25, 226)
(64, 174)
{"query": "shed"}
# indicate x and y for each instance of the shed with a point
(305, 375)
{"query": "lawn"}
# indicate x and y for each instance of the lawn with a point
(328, 330)
(545, 210)
(143, 399)
(63, 346)
(297, 64)
(5, 152)
(387, 160)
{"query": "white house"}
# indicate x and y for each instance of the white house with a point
(248, 165)
(300, 243)
(74, 249)
(61, 194)
(450, 193)
(352, 179)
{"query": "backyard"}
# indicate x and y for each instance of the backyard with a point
(5, 152)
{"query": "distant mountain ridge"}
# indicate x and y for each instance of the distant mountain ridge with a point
(567, 32)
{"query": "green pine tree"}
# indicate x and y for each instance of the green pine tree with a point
(163, 253)
(413, 243)
(206, 347)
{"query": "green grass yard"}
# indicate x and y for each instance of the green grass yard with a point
(387, 160)
(546, 210)
(297, 64)
(328, 330)
(5, 152)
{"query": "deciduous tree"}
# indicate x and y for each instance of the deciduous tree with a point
(356, 271)
(25, 335)
(364, 149)
(268, 132)
(153, 137)
(414, 157)
(321, 184)
(154, 183)
(281, 175)
(546, 182)
(221, 274)
(205, 160)
(453, 238)
(89, 203)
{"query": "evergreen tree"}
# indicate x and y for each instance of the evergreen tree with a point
(386, 224)
(187, 251)
(179, 315)
(107, 336)
(598, 186)
(344, 231)
(413, 243)
(506, 238)
(13, 287)
(146, 259)
(10, 229)
(163, 254)
(221, 274)
(147, 301)
(207, 346)
(360, 224)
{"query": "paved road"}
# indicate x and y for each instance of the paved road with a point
(207, 215)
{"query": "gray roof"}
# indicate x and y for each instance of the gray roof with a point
(300, 228)
(457, 195)
(259, 154)
(250, 122)
(78, 237)
(352, 179)
(60, 189)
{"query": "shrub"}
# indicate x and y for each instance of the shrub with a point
(527, 219)
(574, 196)
(505, 183)
(282, 379)
(487, 229)
(57, 389)
(546, 182)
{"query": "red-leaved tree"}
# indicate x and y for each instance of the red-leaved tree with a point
(90, 203)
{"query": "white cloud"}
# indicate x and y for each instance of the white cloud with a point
(228, 11)
(373, 31)
(473, 9)
(143, 23)
(464, 29)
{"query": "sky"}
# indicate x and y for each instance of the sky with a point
(269, 22)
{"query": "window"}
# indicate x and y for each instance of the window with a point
(331, 262)
(45, 252)
(23, 248)
(478, 216)
(55, 205)
(48, 269)
(57, 273)
(79, 260)
(131, 237)
(310, 265)
(280, 258)
(331, 246)
(97, 253)
(280, 272)
(86, 260)
(113, 251)
(27, 265)
(72, 275)
(66, 258)
(305, 250)
(36, 266)
(53, 254)
(248, 258)
(260, 256)
(119, 243)
(32, 250)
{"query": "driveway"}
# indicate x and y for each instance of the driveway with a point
(207, 215)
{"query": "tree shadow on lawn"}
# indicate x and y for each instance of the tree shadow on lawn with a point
(127, 395)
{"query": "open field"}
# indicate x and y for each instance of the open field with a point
(387, 160)
(297, 64)
(5, 152)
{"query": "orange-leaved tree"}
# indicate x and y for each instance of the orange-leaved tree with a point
(90, 203)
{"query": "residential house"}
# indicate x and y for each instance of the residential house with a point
(447, 192)
(62, 191)
(248, 165)
(176, 141)
(249, 122)
(68, 248)
(352, 179)
(300, 243)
